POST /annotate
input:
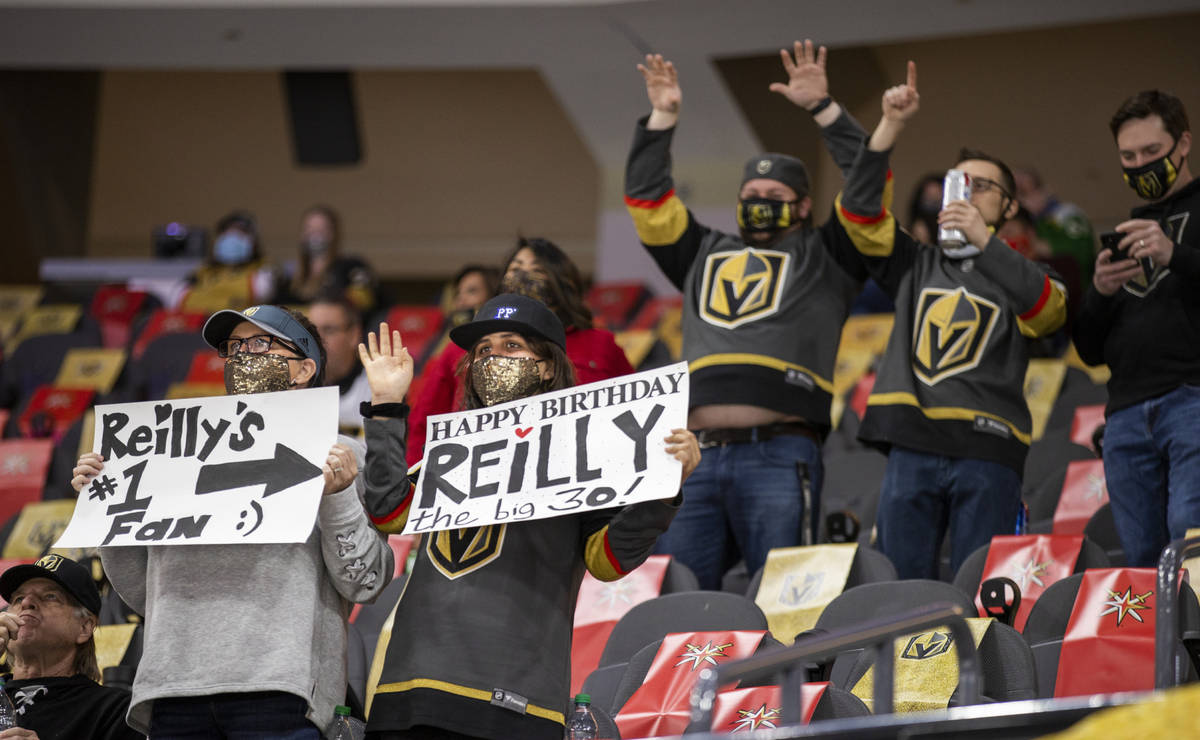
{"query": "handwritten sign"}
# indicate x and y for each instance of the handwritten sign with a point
(223, 470)
(593, 446)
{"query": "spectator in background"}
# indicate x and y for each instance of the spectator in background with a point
(441, 390)
(340, 325)
(539, 269)
(474, 285)
(1145, 324)
(48, 633)
(234, 273)
(250, 640)
(322, 269)
(924, 207)
(1063, 226)
(948, 404)
(1020, 233)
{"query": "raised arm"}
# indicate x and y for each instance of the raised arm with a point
(863, 207)
(664, 225)
(807, 87)
(389, 371)
(899, 104)
(662, 87)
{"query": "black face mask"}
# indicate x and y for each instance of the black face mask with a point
(1153, 179)
(764, 216)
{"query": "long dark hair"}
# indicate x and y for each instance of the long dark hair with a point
(564, 285)
(542, 349)
(335, 226)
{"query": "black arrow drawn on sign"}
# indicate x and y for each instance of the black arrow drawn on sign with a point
(279, 473)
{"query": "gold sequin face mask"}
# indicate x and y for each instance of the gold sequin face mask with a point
(249, 373)
(500, 379)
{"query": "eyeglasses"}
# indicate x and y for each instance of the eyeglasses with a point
(255, 345)
(982, 185)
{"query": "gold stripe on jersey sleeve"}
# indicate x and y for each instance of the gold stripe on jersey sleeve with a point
(661, 225)
(599, 558)
(873, 236)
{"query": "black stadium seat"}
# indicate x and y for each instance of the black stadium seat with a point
(691, 611)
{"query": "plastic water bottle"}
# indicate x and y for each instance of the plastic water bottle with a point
(581, 725)
(8, 713)
(346, 727)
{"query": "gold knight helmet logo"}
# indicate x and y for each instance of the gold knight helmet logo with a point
(952, 330)
(457, 552)
(927, 645)
(742, 286)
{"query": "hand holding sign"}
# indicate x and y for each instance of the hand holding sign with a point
(88, 466)
(388, 365)
(684, 447)
(340, 468)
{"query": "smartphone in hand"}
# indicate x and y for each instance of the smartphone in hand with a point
(1110, 239)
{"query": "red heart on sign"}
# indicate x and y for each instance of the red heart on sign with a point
(522, 432)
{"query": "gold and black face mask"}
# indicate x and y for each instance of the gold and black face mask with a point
(1153, 179)
(500, 379)
(250, 373)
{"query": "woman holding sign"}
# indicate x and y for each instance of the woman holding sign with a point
(480, 643)
(250, 639)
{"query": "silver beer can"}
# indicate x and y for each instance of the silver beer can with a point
(956, 186)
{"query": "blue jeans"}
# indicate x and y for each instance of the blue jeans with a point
(262, 715)
(923, 494)
(1152, 470)
(747, 498)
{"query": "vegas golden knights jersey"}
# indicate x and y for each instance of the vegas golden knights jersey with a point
(760, 324)
(480, 642)
(952, 378)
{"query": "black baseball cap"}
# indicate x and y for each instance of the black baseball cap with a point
(782, 168)
(271, 319)
(511, 312)
(73, 577)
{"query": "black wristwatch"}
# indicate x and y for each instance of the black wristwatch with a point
(389, 410)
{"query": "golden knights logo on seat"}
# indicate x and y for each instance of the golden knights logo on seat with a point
(795, 594)
(457, 552)
(927, 645)
(951, 333)
(742, 286)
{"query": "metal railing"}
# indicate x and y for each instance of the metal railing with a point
(878, 635)
(1170, 664)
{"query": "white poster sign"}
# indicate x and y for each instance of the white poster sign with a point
(589, 447)
(222, 470)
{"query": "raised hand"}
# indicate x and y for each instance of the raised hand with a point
(901, 102)
(807, 84)
(388, 365)
(662, 84)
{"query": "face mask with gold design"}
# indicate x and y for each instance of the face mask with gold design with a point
(1152, 180)
(256, 373)
(500, 379)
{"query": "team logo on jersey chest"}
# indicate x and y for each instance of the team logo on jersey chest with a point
(457, 552)
(951, 331)
(742, 286)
